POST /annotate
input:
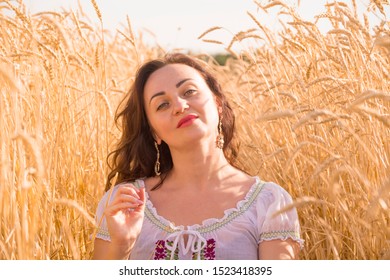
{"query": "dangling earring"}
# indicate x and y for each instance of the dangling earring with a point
(157, 164)
(220, 138)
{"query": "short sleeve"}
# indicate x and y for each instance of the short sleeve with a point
(102, 229)
(276, 220)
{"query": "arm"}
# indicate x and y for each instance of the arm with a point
(278, 250)
(106, 250)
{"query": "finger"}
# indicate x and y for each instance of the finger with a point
(124, 206)
(142, 196)
(128, 189)
(127, 198)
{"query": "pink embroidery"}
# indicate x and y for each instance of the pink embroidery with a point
(209, 250)
(161, 252)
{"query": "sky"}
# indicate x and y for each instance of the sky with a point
(176, 24)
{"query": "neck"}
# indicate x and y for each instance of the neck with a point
(199, 167)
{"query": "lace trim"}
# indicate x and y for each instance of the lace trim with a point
(152, 217)
(282, 235)
(103, 234)
(211, 224)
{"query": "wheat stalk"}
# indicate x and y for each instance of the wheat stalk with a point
(97, 10)
(209, 31)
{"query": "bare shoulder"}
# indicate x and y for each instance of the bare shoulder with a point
(240, 182)
(240, 178)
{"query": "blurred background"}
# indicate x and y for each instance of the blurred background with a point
(176, 24)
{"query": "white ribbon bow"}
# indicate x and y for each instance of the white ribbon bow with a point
(195, 242)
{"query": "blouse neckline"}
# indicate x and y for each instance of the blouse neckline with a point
(209, 224)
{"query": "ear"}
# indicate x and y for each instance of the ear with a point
(218, 102)
(219, 110)
(154, 135)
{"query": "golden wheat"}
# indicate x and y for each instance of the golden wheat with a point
(312, 114)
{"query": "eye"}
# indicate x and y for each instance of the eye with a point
(189, 92)
(162, 106)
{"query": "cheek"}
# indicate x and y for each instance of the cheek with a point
(159, 125)
(211, 109)
(154, 123)
(152, 120)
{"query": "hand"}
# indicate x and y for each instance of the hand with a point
(125, 215)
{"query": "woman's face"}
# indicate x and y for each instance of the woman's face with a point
(181, 108)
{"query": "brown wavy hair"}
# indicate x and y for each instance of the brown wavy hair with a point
(135, 154)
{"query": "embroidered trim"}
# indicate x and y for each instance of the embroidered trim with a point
(207, 253)
(103, 234)
(283, 235)
(255, 190)
(158, 223)
(236, 213)
(278, 234)
(161, 252)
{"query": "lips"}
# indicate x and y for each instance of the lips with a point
(186, 120)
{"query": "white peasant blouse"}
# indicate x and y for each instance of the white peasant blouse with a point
(235, 236)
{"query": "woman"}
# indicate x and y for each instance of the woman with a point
(179, 195)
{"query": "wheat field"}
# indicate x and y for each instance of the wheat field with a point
(312, 115)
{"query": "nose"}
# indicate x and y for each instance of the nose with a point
(180, 105)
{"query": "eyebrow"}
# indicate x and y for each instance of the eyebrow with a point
(162, 92)
(182, 82)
